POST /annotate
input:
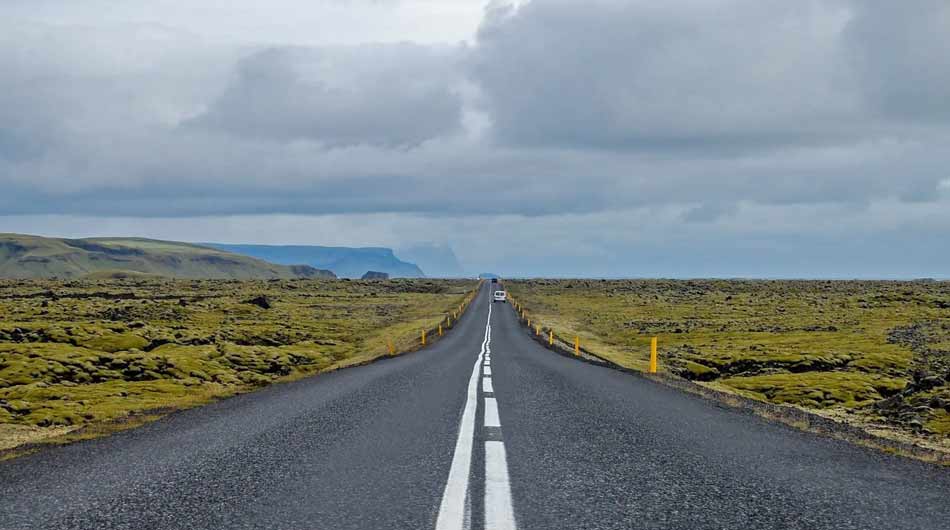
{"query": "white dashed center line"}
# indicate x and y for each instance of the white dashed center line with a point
(499, 514)
(455, 510)
(491, 413)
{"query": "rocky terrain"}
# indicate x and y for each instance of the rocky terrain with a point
(877, 353)
(76, 353)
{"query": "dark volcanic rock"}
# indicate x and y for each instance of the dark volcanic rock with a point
(375, 275)
(261, 301)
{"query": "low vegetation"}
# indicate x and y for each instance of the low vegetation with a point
(77, 354)
(26, 256)
(876, 353)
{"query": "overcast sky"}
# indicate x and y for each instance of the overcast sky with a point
(546, 137)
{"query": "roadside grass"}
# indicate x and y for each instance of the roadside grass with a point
(877, 351)
(89, 357)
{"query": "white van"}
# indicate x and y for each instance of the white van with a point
(500, 296)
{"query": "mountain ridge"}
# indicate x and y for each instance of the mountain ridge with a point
(346, 262)
(24, 256)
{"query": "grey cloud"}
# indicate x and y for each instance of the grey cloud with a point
(388, 95)
(888, 240)
(709, 212)
(695, 76)
(725, 77)
(902, 54)
(170, 126)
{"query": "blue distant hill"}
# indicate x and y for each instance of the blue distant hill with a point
(438, 260)
(346, 262)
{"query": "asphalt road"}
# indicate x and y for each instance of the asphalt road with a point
(485, 429)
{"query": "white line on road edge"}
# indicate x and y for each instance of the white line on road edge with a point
(499, 514)
(491, 413)
(452, 511)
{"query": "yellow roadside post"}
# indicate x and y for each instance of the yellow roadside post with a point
(653, 355)
(392, 348)
(537, 330)
(423, 337)
(551, 338)
(440, 329)
(577, 345)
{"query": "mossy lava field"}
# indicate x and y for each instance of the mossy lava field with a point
(89, 355)
(876, 352)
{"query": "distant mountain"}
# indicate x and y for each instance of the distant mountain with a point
(439, 261)
(344, 261)
(25, 256)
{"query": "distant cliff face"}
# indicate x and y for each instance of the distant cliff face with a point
(344, 261)
(25, 256)
(439, 261)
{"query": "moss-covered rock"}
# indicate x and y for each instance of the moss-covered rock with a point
(698, 372)
(99, 350)
(817, 344)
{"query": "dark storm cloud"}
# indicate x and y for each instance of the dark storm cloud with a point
(387, 95)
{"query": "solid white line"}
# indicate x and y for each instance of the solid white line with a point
(499, 514)
(453, 509)
(486, 385)
(491, 413)
(487, 370)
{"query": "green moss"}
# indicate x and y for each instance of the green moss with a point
(113, 342)
(700, 372)
(816, 344)
(84, 352)
(939, 423)
(818, 389)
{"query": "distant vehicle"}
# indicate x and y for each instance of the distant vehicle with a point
(494, 280)
(500, 296)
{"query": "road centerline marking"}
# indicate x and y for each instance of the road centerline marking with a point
(499, 512)
(487, 386)
(491, 413)
(454, 506)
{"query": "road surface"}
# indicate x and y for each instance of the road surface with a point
(485, 429)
